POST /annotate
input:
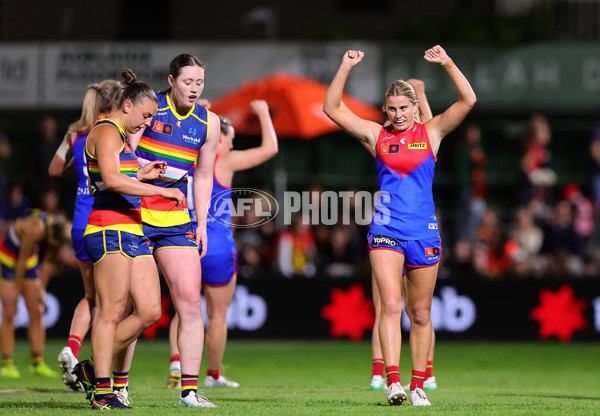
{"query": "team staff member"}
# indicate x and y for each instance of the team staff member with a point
(219, 266)
(99, 99)
(404, 230)
(113, 237)
(36, 236)
(182, 133)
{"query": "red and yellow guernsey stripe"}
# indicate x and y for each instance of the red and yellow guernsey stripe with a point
(9, 258)
(128, 220)
(160, 212)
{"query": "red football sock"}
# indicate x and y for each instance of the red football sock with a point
(377, 367)
(393, 374)
(214, 373)
(418, 377)
(429, 370)
(37, 357)
(74, 343)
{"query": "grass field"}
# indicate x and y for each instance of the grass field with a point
(332, 378)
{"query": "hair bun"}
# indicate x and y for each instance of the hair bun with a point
(129, 76)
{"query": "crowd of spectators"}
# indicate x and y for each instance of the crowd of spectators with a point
(549, 232)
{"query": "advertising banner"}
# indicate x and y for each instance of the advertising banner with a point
(321, 308)
(70, 67)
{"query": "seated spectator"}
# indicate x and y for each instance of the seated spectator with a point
(583, 221)
(529, 238)
(493, 252)
(458, 264)
(562, 246)
(296, 249)
(342, 258)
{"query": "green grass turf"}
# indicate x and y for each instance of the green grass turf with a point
(332, 378)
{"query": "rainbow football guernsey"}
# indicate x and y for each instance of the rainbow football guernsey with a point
(112, 210)
(177, 140)
(405, 167)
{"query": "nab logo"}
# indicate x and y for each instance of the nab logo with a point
(163, 128)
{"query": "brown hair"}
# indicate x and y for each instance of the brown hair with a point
(135, 90)
(179, 62)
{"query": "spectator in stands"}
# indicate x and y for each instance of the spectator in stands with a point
(472, 161)
(458, 264)
(14, 206)
(562, 248)
(583, 220)
(493, 252)
(42, 154)
(296, 249)
(342, 258)
(537, 174)
(529, 237)
(595, 166)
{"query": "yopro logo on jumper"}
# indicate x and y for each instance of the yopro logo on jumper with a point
(242, 207)
(384, 240)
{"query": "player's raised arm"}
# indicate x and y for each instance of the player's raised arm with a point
(364, 130)
(441, 125)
